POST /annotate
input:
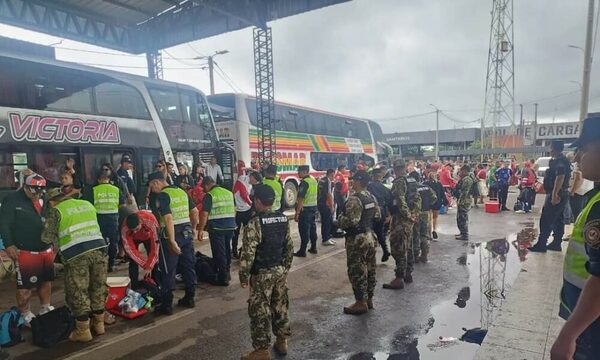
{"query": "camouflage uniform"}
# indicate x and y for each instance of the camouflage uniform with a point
(421, 228)
(268, 303)
(401, 228)
(465, 199)
(85, 275)
(360, 248)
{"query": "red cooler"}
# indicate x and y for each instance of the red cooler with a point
(492, 207)
(117, 287)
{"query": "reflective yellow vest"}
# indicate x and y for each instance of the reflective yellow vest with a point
(179, 204)
(278, 189)
(78, 229)
(106, 199)
(223, 205)
(574, 270)
(310, 199)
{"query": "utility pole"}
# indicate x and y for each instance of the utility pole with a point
(211, 67)
(535, 125)
(437, 132)
(587, 62)
(482, 136)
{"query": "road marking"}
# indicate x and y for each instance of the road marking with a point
(178, 315)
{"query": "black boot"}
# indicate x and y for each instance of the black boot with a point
(188, 299)
(166, 307)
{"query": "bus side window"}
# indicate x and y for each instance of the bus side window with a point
(92, 161)
(10, 165)
(167, 104)
(51, 165)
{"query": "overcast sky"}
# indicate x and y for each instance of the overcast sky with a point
(388, 59)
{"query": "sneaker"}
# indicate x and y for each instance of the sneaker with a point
(27, 317)
(46, 309)
(520, 212)
(434, 235)
(313, 251)
(179, 278)
(328, 243)
(300, 254)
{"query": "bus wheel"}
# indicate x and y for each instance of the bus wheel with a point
(291, 194)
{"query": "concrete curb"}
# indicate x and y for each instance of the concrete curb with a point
(527, 325)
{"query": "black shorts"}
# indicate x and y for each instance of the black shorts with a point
(34, 268)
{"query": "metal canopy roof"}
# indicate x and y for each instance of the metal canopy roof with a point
(138, 26)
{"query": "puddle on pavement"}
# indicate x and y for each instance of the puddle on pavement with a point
(454, 330)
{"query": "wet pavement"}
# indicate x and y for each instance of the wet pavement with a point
(423, 321)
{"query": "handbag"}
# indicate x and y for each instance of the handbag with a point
(7, 267)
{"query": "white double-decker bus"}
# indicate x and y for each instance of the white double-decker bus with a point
(304, 136)
(53, 110)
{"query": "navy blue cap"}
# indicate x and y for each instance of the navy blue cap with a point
(590, 130)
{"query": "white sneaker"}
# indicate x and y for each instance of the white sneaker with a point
(329, 243)
(520, 212)
(27, 317)
(46, 309)
(179, 278)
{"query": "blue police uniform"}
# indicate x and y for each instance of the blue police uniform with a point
(172, 200)
(551, 221)
(220, 206)
(503, 176)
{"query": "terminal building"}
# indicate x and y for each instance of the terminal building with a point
(464, 143)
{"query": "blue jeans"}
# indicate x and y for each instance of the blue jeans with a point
(109, 227)
(552, 219)
(307, 229)
(220, 246)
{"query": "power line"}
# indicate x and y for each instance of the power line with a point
(170, 57)
(456, 120)
(239, 89)
(405, 117)
(137, 67)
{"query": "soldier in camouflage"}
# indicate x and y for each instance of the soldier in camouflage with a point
(266, 258)
(361, 210)
(72, 229)
(464, 201)
(405, 211)
(421, 228)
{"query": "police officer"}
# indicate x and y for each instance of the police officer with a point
(175, 209)
(556, 185)
(384, 199)
(578, 338)
(107, 199)
(421, 228)
(306, 209)
(72, 228)
(218, 212)
(361, 211)
(464, 201)
(272, 180)
(405, 210)
(266, 258)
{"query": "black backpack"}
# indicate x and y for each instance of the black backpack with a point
(52, 327)
(205, 269)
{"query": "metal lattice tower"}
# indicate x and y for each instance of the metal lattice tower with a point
(500, 78)
(265, 98)
(155, 64)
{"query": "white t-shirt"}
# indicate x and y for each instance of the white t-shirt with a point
(585, 186)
